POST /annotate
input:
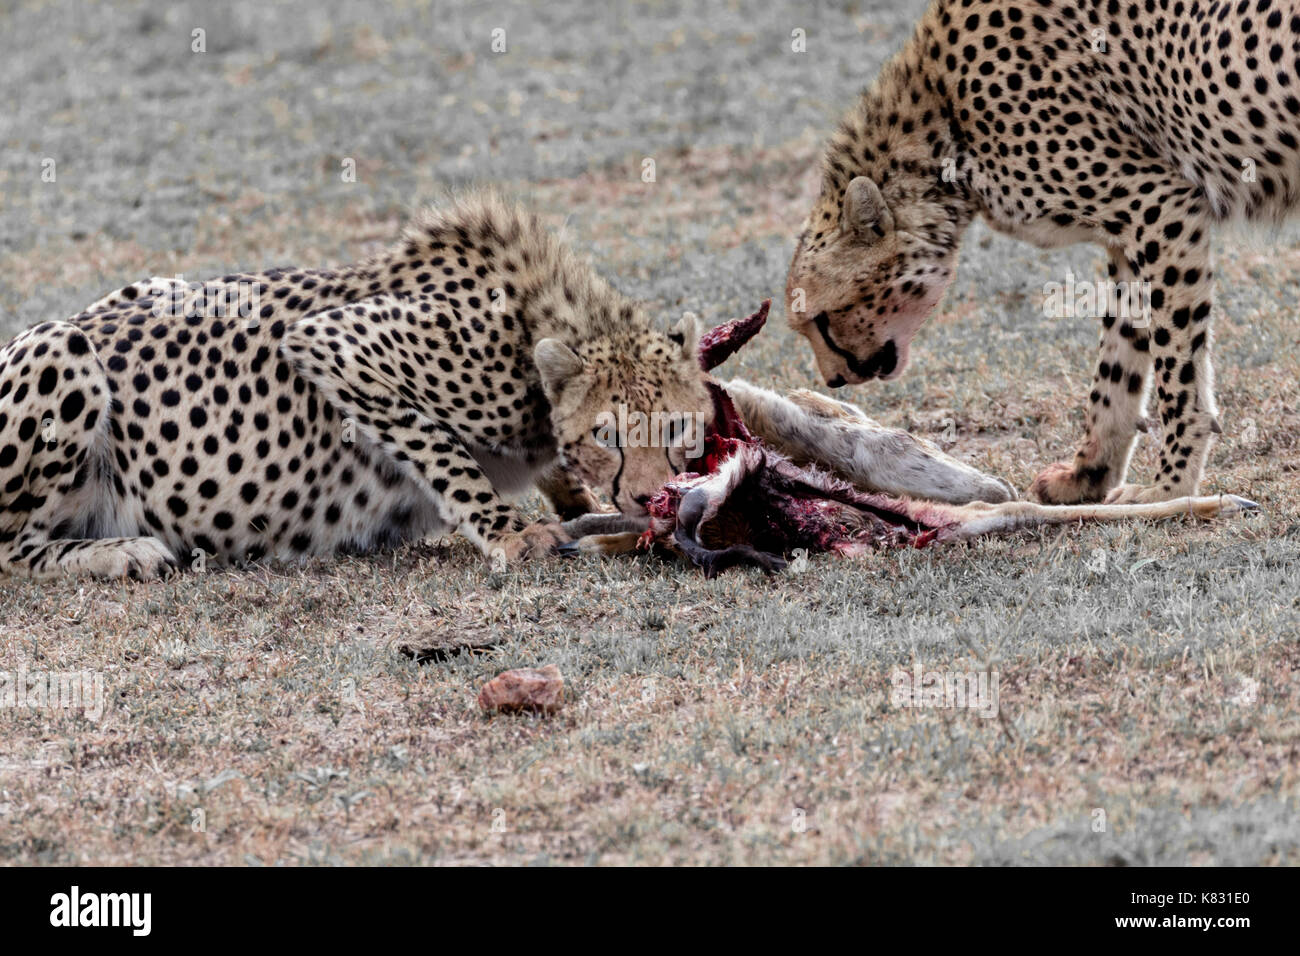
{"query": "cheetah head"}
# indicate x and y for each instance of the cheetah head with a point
(627, 411)
(862, 281)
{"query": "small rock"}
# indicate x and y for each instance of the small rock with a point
(524, 689)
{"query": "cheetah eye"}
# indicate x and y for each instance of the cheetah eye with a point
(606, 436)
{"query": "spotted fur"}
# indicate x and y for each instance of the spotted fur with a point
(301, 412)
(1136, 125)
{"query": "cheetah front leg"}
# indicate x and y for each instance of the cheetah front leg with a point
(1177, 259)
(374, 393)
(1116, 402)
(567, 493)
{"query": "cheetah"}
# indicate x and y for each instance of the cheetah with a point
(1138, 126)
(302, 412)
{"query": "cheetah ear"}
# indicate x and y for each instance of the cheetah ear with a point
(557, 364)
(863, 212)
(686, 333)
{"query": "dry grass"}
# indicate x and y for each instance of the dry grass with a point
(1148, 672)
(702, 715)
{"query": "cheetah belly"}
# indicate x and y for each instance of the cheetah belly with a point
(216, 444)
(1042, 232)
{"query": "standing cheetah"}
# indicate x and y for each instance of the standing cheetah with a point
(1136, 125)
(304, 412)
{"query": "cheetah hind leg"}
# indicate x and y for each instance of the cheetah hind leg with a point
(53, 429)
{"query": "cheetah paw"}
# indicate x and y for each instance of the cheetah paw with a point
(1060, 483)
(142, 559)
(583, 503)
(538, 540)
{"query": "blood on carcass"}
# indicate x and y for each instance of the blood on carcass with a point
(743, 503)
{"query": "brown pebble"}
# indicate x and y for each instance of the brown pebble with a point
(540, 690)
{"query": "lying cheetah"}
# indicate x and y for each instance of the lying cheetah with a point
(1134, 125)
(303, 412)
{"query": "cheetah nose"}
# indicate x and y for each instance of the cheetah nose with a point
(885, 360)
(888, 358)
(836, 382)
